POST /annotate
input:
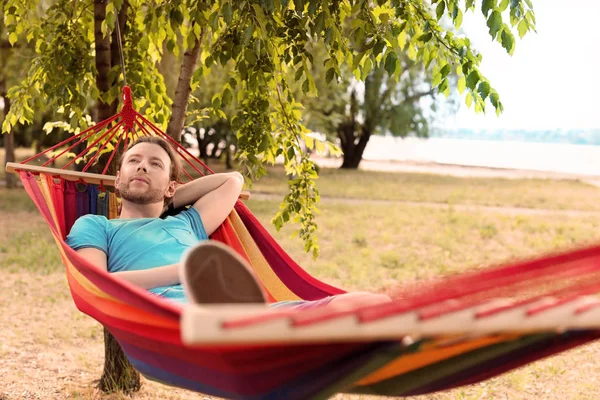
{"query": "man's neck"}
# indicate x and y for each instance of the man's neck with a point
(132, 210)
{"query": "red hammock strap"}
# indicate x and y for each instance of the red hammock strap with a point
(106, 142)
(126, 125)
(87, 149)
(112, 154)
(101, 124)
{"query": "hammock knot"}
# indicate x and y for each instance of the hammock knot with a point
(128, 113)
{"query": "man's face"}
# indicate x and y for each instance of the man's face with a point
(144, 176)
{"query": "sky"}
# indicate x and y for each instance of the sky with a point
(552, 81)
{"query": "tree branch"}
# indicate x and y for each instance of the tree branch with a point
(182, 92)
(417, 96)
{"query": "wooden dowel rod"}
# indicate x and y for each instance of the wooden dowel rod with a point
(95, 179)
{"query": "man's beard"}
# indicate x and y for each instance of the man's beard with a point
(149, 197)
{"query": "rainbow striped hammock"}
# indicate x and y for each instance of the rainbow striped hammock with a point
(435, 335)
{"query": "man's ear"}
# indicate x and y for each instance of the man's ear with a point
(171, 189)
(117, 179)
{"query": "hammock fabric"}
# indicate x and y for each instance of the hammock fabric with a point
(434, 336)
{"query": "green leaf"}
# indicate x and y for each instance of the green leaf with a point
(470, 4)
(278, 222)
(473, 79)
(359, 36)
(305, 86)
(443, 86)
(508, 41)
(213, 20)
(177, 16)
(484, 89)
(260, 16)
(469, 99)
(227, 96)
(250, 56)
(357, 60)
(439, 10)
(227, 13)
(12, 38)
(298, 74)
(329, 75)
(502, 6)
(459, 18)
(320, 23)
(445, 70)
(191, 40)
(390, 62)
(461, 84)
(144, 42)
(494, 99)
(435, 81)
(378, 48)
(523, 28)
(366, 68)
(248, 34)
(466, 67)
(216, 101)
(426, 37)
(486, 6)
(494, 22)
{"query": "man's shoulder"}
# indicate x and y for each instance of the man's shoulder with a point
(88, 231)
(92, 221)
(93, 218)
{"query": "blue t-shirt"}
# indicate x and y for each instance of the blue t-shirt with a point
(141, 243)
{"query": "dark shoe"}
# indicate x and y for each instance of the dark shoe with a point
(212, 272)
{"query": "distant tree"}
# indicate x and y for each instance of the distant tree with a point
(351, 112)
(211, 124)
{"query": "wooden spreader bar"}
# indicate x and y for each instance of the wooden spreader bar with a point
(87, 177)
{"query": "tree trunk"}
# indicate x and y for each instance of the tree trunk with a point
(202, 145)
(228, 155)
(103, 59)
(9, 156)
(353, 151)
(119, 375)
(9, 140)
(182, 92)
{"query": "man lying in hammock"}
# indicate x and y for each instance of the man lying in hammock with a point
(173, 257)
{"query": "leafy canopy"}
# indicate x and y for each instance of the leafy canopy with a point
(263, 40)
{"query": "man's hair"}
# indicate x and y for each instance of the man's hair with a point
(175, 164)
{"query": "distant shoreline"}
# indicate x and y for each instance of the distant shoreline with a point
(456, 170)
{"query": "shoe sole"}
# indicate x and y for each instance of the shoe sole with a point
(212, 273)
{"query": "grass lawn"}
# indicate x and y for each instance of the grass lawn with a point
(528, 193)
(50, 350)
